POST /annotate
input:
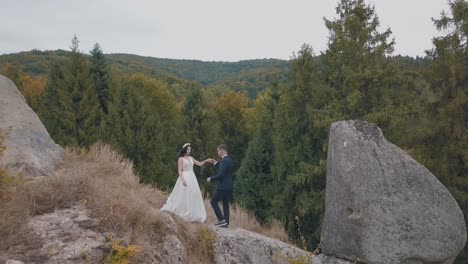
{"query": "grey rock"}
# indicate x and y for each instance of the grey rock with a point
(384, 207)
(86, 222)
(29, 148)
(67, 224)
(64, 241)
(242, 246)
(74, 215)
(174, 251)
(323, 259)
(169, 249)
(11, 261)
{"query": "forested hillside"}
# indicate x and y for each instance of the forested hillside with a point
(251, 76)
(275, 115)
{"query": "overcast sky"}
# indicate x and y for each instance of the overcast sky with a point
(209, 30)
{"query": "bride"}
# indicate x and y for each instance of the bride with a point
(186, 200)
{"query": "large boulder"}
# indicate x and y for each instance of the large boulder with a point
(29, 148)
(384, 207)
(241, 246)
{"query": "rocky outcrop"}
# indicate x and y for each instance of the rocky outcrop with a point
(242, 246)
(29, 148)
(73, 236)
(384, 207)
(172, 249)
(64, 236)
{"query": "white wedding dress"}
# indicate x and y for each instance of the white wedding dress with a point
(187, 201)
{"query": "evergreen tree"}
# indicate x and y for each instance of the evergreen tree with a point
(447, 153)
(134, 130)
(202, 132)
(70, 108)
(450, 83)
(195, 114)
(89, 120)
(300, 140)
(100, 77)
(229, 111)
(84, 101)
(144, 123)
(355, 58)
(254, 178)
(55, 109)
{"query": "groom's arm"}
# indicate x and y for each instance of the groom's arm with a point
(221, 172)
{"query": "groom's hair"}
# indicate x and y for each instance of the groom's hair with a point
(223, 147)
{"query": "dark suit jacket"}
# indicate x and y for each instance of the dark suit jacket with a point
(224, 175)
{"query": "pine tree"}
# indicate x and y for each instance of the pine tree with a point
(254, 180)
(84, 100)
(447, 153)
(55, 109)
(355, 58)
(230, 113)
(195, 114)
(70, 108)
(90, 117)
(201, 131)
(144, 124)
(300, 139)
(134, 131)
(450, 83)
(100, 77)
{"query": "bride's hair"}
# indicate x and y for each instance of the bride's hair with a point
(183, 150)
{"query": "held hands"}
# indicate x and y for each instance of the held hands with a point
(209, 160)
(208, 179)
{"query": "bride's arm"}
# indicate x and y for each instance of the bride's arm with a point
(180, 164)
(196, 162)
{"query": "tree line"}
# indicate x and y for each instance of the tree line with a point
(422, 107)
(279, 133)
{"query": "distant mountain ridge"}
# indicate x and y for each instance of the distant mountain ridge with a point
(249, 76)
(206, 72)
(36, 62)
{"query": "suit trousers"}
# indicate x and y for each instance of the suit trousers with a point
(225, 196)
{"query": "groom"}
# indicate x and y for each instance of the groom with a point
(224, 188)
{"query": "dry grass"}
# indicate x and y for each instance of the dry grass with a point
(103, 181)
(241, 218)
(100, 179)
(14, 204)
(114, 193)
(14, 214)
